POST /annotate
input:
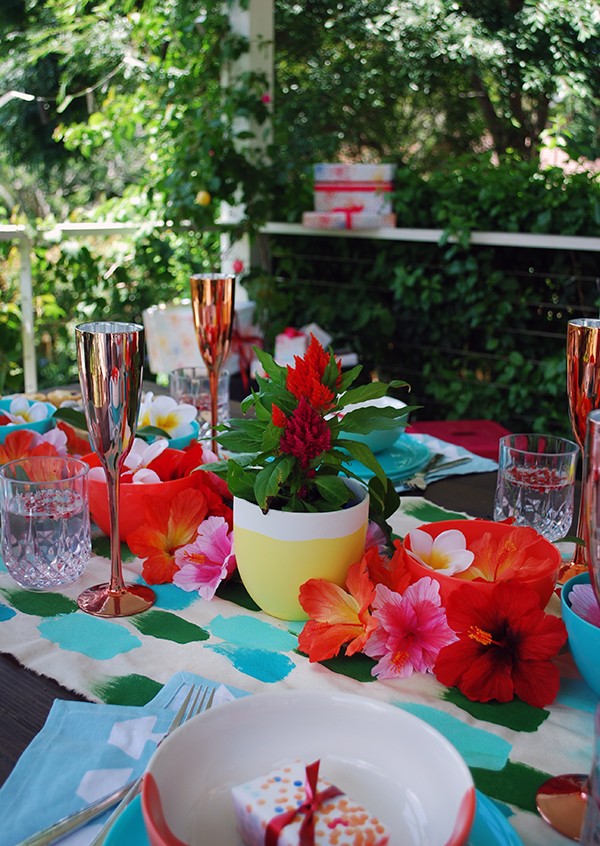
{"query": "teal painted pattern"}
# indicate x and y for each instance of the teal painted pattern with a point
(91, 636)
(242, 629)
(260, 664)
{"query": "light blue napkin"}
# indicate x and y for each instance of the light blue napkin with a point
(84, 752)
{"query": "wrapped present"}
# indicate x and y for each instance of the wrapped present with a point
(293, 806)
(347, 219)
(360, 187)
(294, 342)
(171, 339)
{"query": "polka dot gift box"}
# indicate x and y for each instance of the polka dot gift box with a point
(292, 806)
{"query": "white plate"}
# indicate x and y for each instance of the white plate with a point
(396, 765)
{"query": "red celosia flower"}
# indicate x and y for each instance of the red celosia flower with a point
(337, 616)
(504, 647)
(305, 379)
(165, 529)
(306, 435)
(278, 417)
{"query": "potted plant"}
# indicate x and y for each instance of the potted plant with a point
(299, 510)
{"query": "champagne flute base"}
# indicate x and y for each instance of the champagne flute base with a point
(101, 601)
(561, 802)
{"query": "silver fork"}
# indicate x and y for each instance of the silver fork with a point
(199, 698)
(419, 480)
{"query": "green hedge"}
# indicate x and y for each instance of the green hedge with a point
(478, 331)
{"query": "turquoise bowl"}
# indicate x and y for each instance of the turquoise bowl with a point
(584, 638)
(183, 441)
(39, 426)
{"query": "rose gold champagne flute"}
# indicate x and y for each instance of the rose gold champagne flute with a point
(110, 357)
(583, 390)
(213, 297)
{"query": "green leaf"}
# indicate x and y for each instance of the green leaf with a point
(373, 390)
(270, 479)
(71, 416)
(334, 490)
(369, 419)
(152, 432)
(240, 481)
(361, 452)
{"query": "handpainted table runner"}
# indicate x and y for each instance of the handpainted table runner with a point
(510, 748)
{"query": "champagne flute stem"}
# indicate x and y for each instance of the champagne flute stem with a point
(113, 485)
(213, 382)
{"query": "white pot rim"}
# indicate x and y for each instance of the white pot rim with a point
(289, 525)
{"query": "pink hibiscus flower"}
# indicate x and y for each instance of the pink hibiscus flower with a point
(412, 630)
(584, 603)
(208, 560)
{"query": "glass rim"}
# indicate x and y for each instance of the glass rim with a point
(83, 471)
(213, 276)
(181, 371)
(591, 322)
(505, 442)
(108, 327)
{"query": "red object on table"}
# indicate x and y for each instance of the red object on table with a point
(478, 436)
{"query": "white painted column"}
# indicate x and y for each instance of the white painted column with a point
(27, 315)
(257, 25)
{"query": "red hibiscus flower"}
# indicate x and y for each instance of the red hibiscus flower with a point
(306, 435)
(504, 648)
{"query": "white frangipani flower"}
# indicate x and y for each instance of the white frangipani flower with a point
(167, 414)
(22, 411)
(447, 553)
(142, 454)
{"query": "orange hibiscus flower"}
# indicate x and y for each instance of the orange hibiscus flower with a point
(164, 531)
(21, 444)
(338, 617)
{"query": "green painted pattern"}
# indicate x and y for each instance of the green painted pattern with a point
(167, 626)
(420, 509)
(101, 547)
(515, 784)
(357, 666)
(126, 690)
(39, 604)
(516, 715)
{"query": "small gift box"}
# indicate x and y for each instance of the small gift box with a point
(347, 219)
(294, 342)
(292, 806)
(362, 188)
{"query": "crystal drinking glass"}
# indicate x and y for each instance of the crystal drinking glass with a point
(110, 357)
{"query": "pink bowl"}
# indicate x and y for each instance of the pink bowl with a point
(544, 552)
(131, 500)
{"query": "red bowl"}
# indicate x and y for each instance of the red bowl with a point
(544, 552)
(131, 499)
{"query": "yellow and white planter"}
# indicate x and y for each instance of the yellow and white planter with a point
(277, 552)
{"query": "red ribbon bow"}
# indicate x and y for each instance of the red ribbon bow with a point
(311, 804)
(242, 345)
(349, 211)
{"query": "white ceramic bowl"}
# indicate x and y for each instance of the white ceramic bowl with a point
(397, 766)
(379, 439)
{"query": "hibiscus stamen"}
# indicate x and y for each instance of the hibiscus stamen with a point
(480, 635)
(399, 658)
